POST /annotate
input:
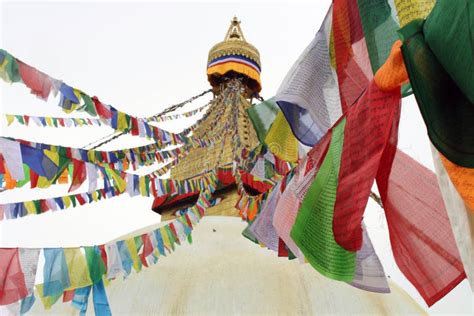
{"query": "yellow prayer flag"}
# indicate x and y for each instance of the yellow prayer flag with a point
(10, 119)
(91, 156)
(43, 182)
(49, 121)
(166, 239)
(120, 183)
(409, 10)
(95, 196)
(67, 201)
(30, 207)
(77, 268)
(54, 156)
(132, 248)
(122, 123)
(3, 72)
(281, 141)
(47, 301)
(142, 186)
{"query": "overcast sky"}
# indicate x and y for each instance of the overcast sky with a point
(142, 57)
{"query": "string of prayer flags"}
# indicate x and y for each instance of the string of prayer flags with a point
(175, 116)
(72, 99)
(47, 121)
(76, 272)
(50, 161)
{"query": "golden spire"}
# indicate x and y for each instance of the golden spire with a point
(234, 32)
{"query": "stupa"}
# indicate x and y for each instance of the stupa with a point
(233, 70)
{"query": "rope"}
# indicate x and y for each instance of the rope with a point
(108, 140)
(179, 105)
(98, 140)
(167, 110)
(376, 198)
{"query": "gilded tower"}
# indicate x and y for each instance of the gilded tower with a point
(226, 132)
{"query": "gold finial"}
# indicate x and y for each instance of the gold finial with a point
(234, 32)
(234, 45)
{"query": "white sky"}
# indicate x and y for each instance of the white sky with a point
(142, 57)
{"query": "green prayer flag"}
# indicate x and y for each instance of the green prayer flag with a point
(262, 116)
(89, 106)
(247, 233)
(312, 231)
(73, 200)
(37, 206)
(9, 70)
(20, 119)
(446, 110)
(26, 171)
(170, 236)
(380, 30)
(96, 266)
(449, 34)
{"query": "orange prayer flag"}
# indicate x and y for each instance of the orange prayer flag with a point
(10, 183)
(463, 180)
(393, 73)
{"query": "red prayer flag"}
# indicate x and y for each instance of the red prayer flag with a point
(68, 295)
(101, 110)
(282, 249)
(175, 234)
(134, 130)
(2, 166)
(103, 255)
(147, 249)
(33, 179)
(80, 199)
(12, 279)
(315, 156)
(367, 131)
(422, 240)
(352, 59)
(38, 82)
(188, 220)
(44, 206)
(79, 175)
